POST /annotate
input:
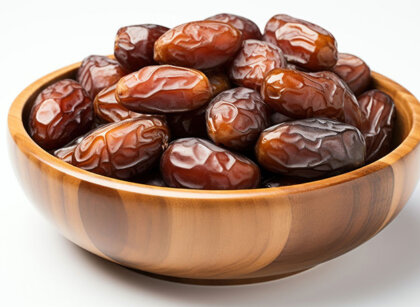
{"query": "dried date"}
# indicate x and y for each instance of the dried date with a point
(60, 113)
(354, 71)
(219, 81)
(133, 46)
(254, 61)
(164, 89)
(200, 44)
(198, 164)
(108, 110)
(247, 27)
(98, 72)
(379, 112)
(303, 43)
(305, 95)
(124, 149)
(311, 148)
(236, 117)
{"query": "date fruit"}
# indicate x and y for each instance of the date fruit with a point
(379, 112)
(133, 46)
(236, 117)
(303, 43)
(164, 89)
(354, 71)
(98, 72)
(107, 108)
(304, 95)
(198, 164)
(60, 113)
(311, 148)
(248, 28)
(200, 44)
(254, 61)
(66, 153)
(124, 149)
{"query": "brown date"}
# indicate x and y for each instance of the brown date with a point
(200, 44)
(236, 117)
(108, 110)
(188, 124)
(247, 27)
(124, 149)
(379, 112)
(311, 148)
(198, 164)
(66, 153)
(303, 43)
(98, 72)
(304, 95)
(354, 71)
(60, 113)
(219, 81)
(254, 61)
(164, 89)
(133, 46)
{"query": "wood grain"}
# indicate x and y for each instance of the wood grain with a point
(218, 237)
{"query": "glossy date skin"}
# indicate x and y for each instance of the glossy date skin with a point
(219, 81)
(124, 149)
(66, 153)
(311, 148)
(305, 95)
(134, 45)
(164, 89)
(198, 164)
(188, 124)
(254, 60)
(236, 117)
(60, 113)
(354, 71)
(108, 110)
(379, 112)
(247, 27)
(98, 72)
(303, 43)
(200, 44)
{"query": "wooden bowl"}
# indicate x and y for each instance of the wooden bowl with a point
(218, 237)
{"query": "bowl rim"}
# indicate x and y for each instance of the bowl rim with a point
(16, 127)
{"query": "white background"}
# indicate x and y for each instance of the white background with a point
(38, 267)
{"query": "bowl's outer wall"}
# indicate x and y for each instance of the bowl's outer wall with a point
(226, 235)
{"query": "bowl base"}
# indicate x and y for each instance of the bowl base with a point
(219, 282)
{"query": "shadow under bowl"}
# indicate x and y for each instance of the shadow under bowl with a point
(218, 237)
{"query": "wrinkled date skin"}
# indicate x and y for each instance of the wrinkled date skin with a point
(66, 153)
(164, 89)
(304, 95)
(108, 110)
(236, 117)
(98, 72)
(303, 43)
(124, 149)
(200, 44)
(379, 112)
(60, 113)
(219, 81)
(133, 46)
(247, 27)
(198, 164)
(254, 61)
(188, 124)
(354, 71)
(311, 148)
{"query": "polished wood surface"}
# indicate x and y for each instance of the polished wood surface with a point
(218, 237)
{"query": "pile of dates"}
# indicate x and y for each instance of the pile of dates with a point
(215, 104)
